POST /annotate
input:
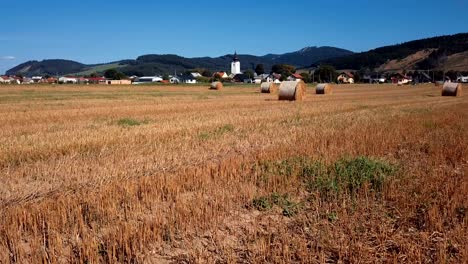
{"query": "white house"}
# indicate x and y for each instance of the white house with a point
(2, 80)
(235, 65)
(68, 80)
(148, 79)
(263, 78)
(196, 75)
(37, 79)
(188, 79)
(462, 79)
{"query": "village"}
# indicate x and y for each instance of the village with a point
(312, 75)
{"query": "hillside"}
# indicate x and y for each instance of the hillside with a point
(160, 64)
(425, 54)
(51, 67)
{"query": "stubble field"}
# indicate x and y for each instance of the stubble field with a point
(181, 174)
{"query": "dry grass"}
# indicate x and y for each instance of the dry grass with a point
(181, 174)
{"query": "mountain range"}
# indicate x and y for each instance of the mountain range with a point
(437, 53)
(161, 64)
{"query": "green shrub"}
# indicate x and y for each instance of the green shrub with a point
(265, 203)
(349, 175)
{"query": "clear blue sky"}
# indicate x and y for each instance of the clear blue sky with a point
(102, 31)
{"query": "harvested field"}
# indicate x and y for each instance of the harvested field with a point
(170, 174)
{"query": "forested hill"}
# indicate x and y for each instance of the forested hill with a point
(162, 64)
(424, 54)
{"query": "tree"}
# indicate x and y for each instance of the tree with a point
(260, 69)
(250, 74)
(93, 75)
(284, 69)
(357, 77)
(165, 77)
(114, 74)
(306, 77)
(206, 73)
(326, 73)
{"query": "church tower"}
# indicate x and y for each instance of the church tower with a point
(235, 65)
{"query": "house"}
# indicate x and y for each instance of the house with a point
(51, 80)
(196, 75)
(188, 79)
(221, 74)
(37, 79)
(276, 77)
(16, 80)
(462, 79)
(242, 78)
(148, 79)
(27, 80)
(96, 80)
(68, 80)
(7, 80)
(295, 77)
(346, 77)
(118, 82)
(263, 78)
(400, 78)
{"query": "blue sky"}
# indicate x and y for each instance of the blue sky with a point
(103, 31)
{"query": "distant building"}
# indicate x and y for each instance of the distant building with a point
(346, 77)
(118, 82)
(235, 65)
(188, 79)
(196, 75)
(51, 80)
(295, 77)
(242, 78)
(148, 79)
(263, 78)
(37, 79)
(68, 80)
(400, 78)
(221, 74)
(96, 80)
(462, 79)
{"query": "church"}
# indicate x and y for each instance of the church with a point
(235, 65)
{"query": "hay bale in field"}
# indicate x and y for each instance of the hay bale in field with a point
(216, 86)
(324, 88)
(292, 91)
(452, 89)
(269, 87)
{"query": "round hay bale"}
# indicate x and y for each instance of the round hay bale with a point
(324, 88)
(452, 89)
(292, 91)
(216, 86)
(269, 87)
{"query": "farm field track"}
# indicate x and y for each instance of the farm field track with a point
(181, 174)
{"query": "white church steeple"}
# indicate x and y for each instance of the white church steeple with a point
(235, 65)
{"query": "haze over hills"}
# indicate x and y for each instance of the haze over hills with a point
(160, 64)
